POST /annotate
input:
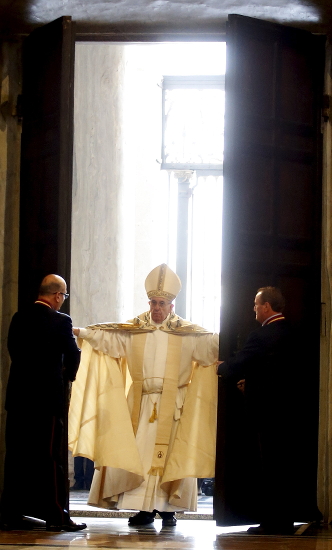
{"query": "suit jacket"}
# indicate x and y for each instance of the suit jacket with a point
(267, 364)
(43, 351)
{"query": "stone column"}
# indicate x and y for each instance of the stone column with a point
(184, 194)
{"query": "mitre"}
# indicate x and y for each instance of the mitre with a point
(162, 281)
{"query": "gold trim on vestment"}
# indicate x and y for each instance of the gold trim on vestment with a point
(138, 347)
(167, 403)
(142, 323)
(168, 394)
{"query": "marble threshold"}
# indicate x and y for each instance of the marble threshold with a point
(79, 508)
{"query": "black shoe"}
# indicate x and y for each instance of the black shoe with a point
(272, 530)
(142, 518)
(169, 519)
(72, 526)
(169, 522)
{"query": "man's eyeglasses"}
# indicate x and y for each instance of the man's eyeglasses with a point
(64, 294)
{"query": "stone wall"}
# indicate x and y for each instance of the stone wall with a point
(119, 192)
(10, 141)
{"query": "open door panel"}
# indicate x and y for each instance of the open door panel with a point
(47, 149)
(271, 236)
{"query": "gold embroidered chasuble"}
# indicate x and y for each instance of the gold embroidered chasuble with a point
(103, 423)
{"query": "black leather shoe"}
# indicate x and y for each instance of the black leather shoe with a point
(169, 522)
(69, 525)
(272, 530)
(168, 518)
(72, 526)
(142, 518)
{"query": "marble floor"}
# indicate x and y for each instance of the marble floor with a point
(109, 530)
(114, 533)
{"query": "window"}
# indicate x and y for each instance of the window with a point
(193, 129)
(192, 153)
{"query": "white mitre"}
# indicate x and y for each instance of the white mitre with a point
(162, 281)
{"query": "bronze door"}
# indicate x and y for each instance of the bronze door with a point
(47, 150)
(271, 232)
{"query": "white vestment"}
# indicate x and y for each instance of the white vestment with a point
(158, 489)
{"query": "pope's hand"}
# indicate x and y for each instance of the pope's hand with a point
(76, 331)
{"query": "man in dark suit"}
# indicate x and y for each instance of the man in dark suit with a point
(265, 366)
(44, 358)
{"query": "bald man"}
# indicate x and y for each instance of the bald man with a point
(44, 356)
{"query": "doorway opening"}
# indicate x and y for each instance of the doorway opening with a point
(147, 185)
(138, 202)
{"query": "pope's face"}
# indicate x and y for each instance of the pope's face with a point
(160, 308)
